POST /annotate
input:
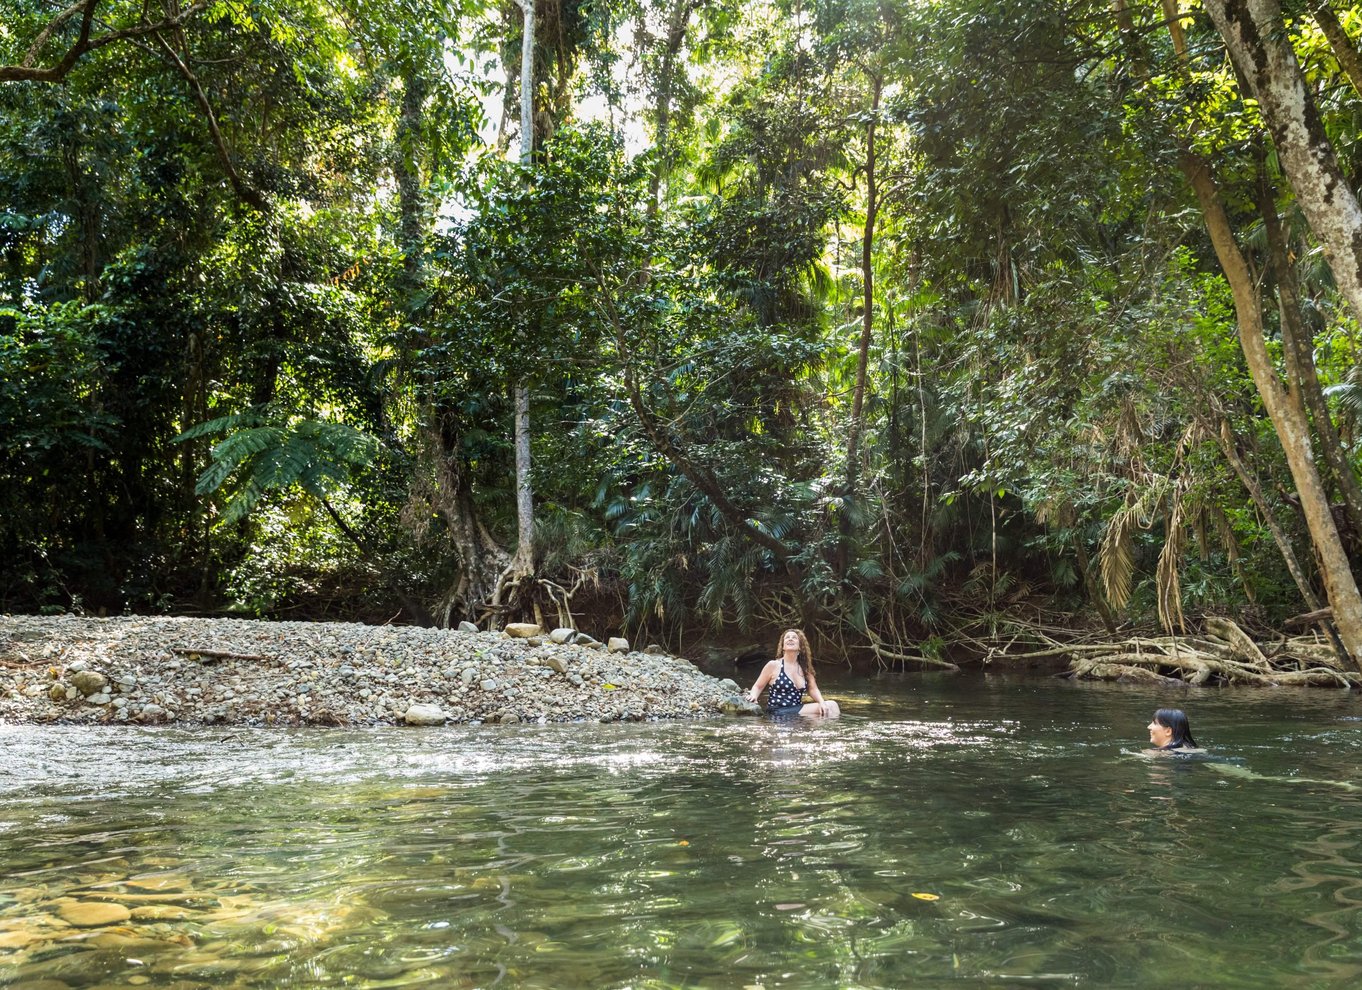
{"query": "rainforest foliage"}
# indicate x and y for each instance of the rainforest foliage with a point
(890, 317)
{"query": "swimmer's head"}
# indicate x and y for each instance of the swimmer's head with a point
(1170, 729)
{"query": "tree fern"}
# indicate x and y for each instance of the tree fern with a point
(257, 458)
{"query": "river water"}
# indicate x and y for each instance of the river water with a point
(947, 831)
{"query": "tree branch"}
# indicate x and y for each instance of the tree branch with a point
(698, 476)
(244, 190)
(27, 71)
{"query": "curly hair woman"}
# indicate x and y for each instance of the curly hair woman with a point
(790, 677)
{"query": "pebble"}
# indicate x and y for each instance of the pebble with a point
(335, 674)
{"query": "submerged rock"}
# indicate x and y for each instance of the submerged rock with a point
(93, 914)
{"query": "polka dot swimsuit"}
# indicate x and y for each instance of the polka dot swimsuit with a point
(784, 693)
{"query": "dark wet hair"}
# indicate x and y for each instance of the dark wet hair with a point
(1176, 719)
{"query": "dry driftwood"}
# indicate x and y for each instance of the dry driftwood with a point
(1224, 655)
(195, 653)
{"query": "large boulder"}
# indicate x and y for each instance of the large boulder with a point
(522, 630)
(562, 635)
(88, 682)
(468, 627)
(425, 715)
(617, 644)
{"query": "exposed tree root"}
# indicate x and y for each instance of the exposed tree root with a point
(888, 656)
(527, 592)
(1223, 655)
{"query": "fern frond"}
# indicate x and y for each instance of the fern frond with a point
(868, 569)
(222, 424)
(315, 455)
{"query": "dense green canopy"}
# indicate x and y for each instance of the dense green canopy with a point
(897, 318)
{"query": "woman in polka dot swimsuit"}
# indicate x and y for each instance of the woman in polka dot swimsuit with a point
(789, 677)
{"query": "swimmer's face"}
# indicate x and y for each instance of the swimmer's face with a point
(1159, 735)
(790, 642)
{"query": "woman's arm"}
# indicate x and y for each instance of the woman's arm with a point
(763, 679)
(816, 694)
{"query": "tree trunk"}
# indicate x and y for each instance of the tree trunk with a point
(1173, 17)
(1229, 446)
(1344, 50)
(448, 491)
(527, 82)
(1125, 23)
(522, 561)
(666, 80)
(1298, 349)
(867, 291)
(1256, 38)
(1286, 413)
(410, 190)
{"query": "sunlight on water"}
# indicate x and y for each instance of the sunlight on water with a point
(985, 831)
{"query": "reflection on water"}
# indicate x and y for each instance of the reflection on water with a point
(985, 831)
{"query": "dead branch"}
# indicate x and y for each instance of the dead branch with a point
(195, 653)
(886, 656)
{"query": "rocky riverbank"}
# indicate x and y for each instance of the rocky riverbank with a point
(151, 671)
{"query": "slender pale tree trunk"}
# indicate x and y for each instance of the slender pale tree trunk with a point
(1284, 409)
(522, 562)
(1344, 50)
(1255, 34)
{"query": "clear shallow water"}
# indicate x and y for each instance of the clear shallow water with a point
(732, 853)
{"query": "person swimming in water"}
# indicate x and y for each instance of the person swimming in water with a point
(1170, 731)
(789, 677)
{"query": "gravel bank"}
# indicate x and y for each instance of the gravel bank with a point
(147, 671)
